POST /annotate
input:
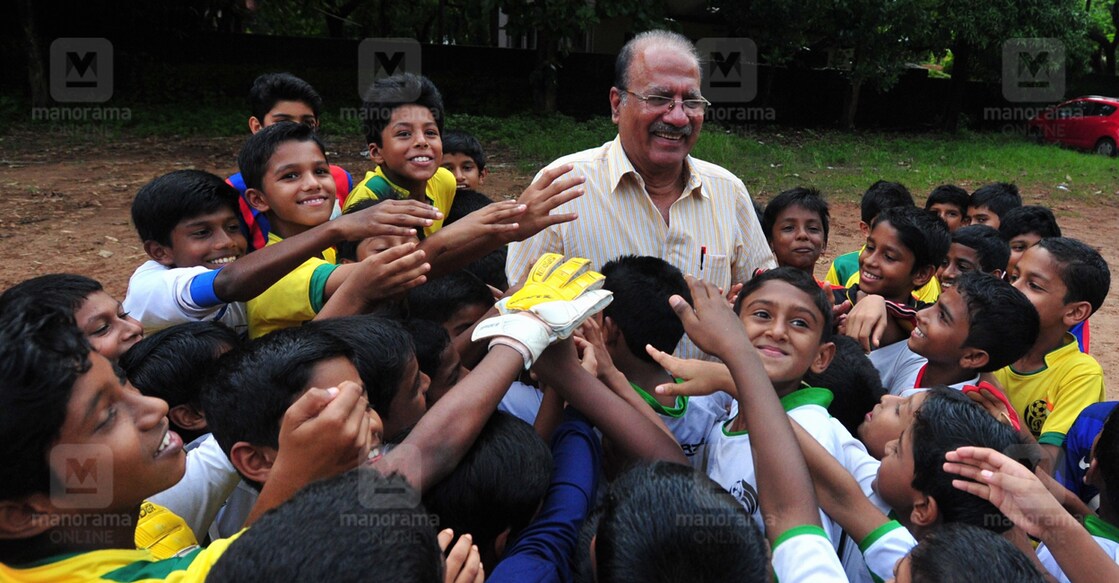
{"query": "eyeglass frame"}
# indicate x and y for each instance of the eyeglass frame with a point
(672, 103)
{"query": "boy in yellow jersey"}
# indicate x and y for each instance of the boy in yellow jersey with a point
(83, 450)
(403, 125)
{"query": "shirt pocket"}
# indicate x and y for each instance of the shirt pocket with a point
(715, 269)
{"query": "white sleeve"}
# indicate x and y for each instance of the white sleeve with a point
(521, 401)
(160, 297)
(884, 547)
(804, 554)
(209, 479)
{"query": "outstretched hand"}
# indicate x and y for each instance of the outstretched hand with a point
(549, 191)
(464, 562)
(395, 218)
(700, 377)
(710, 323)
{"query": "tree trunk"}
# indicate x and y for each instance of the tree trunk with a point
(851, 104)
(957, 88)
(36, 66)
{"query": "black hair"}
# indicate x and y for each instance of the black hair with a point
(67, 291)
(490, 268)
(669, 522)
(1028, 219)
(252, 388)
(438, 299)
(261, 146)
(163, 203)
(460, 142)
(921, 231)
(949, 554)
(272, 88)
(466, 201)
(431, 340)
(1083, 270)
(948, 420)
(481, 496)
(993, 251)
(641, 288)
(998, 197)
(382, 350)
(172, 364)
(376, 526)
(883, 195)
(949, 194)
(348, 249)
(808, 198)
(387, 94)
(853, 380)
(1003, 322)
(798, 279)
(1107, 457)
(42, 355)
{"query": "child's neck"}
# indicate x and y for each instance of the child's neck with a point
(416, 190)
(938, 373)
(646, 375)
(1047, 341)
(782, 390)
(284, 229)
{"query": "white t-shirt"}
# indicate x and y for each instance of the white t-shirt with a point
(897, 365)
(161, 297)
(730, 463)
(1106, 535)
(690, 420)
(804, 554)
(208, 481)
(522, 401)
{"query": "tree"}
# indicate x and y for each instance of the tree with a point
(1103, 22)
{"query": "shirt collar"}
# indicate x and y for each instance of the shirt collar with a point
(618, 166)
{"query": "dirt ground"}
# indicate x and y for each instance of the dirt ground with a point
(67, 201)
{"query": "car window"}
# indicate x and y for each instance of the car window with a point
(1069, 110)
(1105, 110)
(1090, 108)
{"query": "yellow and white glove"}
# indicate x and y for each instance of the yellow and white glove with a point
(557, 297)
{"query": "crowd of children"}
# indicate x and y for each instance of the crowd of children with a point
(314, 377)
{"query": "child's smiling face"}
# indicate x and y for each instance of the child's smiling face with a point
(411, 148)
(798, 238)
(212, 240)
(942, 328)
(886, 264)
(785, 327)
(297, 189)
(107, 327)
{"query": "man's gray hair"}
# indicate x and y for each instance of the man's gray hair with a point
(658, 37)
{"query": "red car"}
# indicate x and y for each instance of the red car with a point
(1088, 123)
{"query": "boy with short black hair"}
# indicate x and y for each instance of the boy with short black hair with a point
(1067, 282)
(1024, 227)
(796, 225)
(974, 248)
(948, 555)
(437, 358)
(880, 196)
(851, 376)
(464, 157)
(989, 203)
(274, 98)
(456, 301)
(950, 203)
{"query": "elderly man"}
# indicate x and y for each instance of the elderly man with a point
(645, 195)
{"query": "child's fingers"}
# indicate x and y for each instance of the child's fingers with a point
(309, 405)
(392, 253)
(975, 488)
(445, 537)
(470, 568)
(683, 310)
(558, 218)
(504, 210)
(460, 552)
(664, 359)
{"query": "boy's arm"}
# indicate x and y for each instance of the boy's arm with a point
(478, 233)
(250, 275)
(356, 288)
(701, 377)
(784, 487)
(1021, 496)
(324, 433)
(627, 428)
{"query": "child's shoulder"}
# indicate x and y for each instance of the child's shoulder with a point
(1068, 357)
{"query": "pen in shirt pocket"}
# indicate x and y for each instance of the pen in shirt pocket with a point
(702, 254)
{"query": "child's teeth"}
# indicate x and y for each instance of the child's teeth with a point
(163, 444)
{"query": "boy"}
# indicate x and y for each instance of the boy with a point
(277, 97)
(851, 376)
(64, 404)
(974, 248)
(989, 203)
(197, 267)
(107, 326)
(403, 117)
(1024, 227)
(796, 224)
(1066, 281)
(464, 157)
(950, 203)
(902, 252)
(948, 555)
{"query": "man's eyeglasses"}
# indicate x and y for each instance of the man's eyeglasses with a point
(696, 106)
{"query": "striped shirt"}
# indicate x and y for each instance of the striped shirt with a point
(617, 217)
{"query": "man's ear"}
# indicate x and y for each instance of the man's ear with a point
(974, 358)
(925, 512)
(615, 104)
(1076, 312)
(256, 200)
(922, 275)
(24, 518)
(159, 253)
(253, 462)
(375, 154)
(187, 417)
(255, 125)
(824, 354)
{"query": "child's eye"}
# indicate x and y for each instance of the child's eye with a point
(322, 171)
(761, 314)
(403, 134)
(1013, 277)
(201, 234)
(799, 323)
(110, 415)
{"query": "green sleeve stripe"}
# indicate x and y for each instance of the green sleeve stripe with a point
(148, 570)
(317, 289)
(1052, 438)
(797, 531)
(878, 533)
